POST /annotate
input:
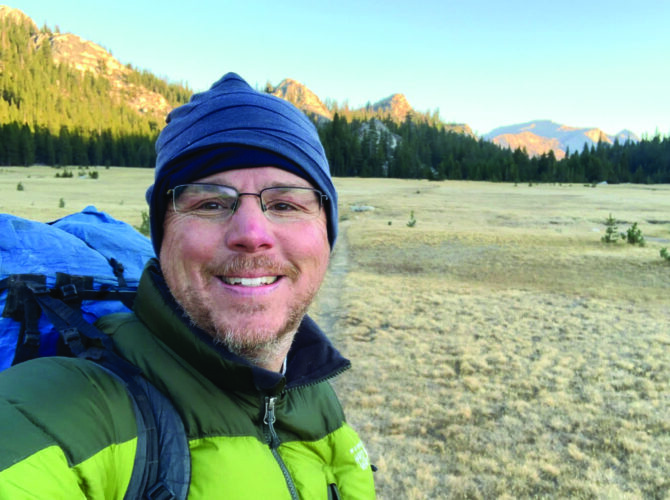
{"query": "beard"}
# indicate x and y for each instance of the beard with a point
(262, 345)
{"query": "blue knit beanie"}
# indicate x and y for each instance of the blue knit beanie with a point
(233, 126)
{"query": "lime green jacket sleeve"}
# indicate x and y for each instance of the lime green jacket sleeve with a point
(59, 439)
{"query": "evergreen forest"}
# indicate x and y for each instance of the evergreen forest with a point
(55, 115)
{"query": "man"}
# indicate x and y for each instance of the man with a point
(243, 218)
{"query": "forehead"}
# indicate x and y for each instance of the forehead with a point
(257, 177)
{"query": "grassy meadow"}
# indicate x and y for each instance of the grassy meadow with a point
(500, 349)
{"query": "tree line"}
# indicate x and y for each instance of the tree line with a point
(25, 146)
(359, 148)
(422, 149)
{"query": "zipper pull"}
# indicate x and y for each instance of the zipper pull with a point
(269, 420)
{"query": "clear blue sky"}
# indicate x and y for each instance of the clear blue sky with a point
(487, 63)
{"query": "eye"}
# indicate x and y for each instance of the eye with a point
(283, 206)
(290, 203)
(213, 204)
(210, 206)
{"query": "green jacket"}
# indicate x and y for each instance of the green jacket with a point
(68, 429)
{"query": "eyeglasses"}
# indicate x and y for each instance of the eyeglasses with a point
(217, 202)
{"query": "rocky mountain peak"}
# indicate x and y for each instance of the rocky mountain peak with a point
(597, 135)
(303, 98)
(395, 105)
(535, 145)
(17, 16)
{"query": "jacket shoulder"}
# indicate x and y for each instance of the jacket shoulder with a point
(112, 323)
(65, 402)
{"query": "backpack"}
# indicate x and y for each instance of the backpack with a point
(56, 280)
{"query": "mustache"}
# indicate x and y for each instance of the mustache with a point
(240, 264)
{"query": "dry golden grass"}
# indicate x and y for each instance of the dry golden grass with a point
(117, 191)
(500, 349)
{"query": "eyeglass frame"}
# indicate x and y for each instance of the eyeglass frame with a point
(320, 196)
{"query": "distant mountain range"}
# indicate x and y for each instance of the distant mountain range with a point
(541, 136)
(536, 137)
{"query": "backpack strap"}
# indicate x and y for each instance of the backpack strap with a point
(69, 322)
(74, 289)
(174, 466)
(162, 468)
(22, 307)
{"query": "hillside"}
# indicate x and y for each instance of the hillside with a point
(141, 92)
(87, 57)
(65, 100)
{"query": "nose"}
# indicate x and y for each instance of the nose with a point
(248, 229)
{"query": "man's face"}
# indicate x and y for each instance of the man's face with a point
(247, 280)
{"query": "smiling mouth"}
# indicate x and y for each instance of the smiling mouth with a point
(249, 282)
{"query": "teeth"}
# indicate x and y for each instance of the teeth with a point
(260, 281)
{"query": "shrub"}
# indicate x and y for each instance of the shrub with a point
(19, 187)
(412, 221)
(93, 174)
(64, 174)
(61, 203)
(665, 254)
(634, 235)
(611, 231)
(144, 227)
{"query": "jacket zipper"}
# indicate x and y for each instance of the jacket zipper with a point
(272, 437)
(273, 440)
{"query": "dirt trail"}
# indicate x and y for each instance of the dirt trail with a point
(328, 307)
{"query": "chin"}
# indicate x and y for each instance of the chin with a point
(260, 346)
(250, 334)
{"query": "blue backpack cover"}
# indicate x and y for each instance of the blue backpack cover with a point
(87, 243)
